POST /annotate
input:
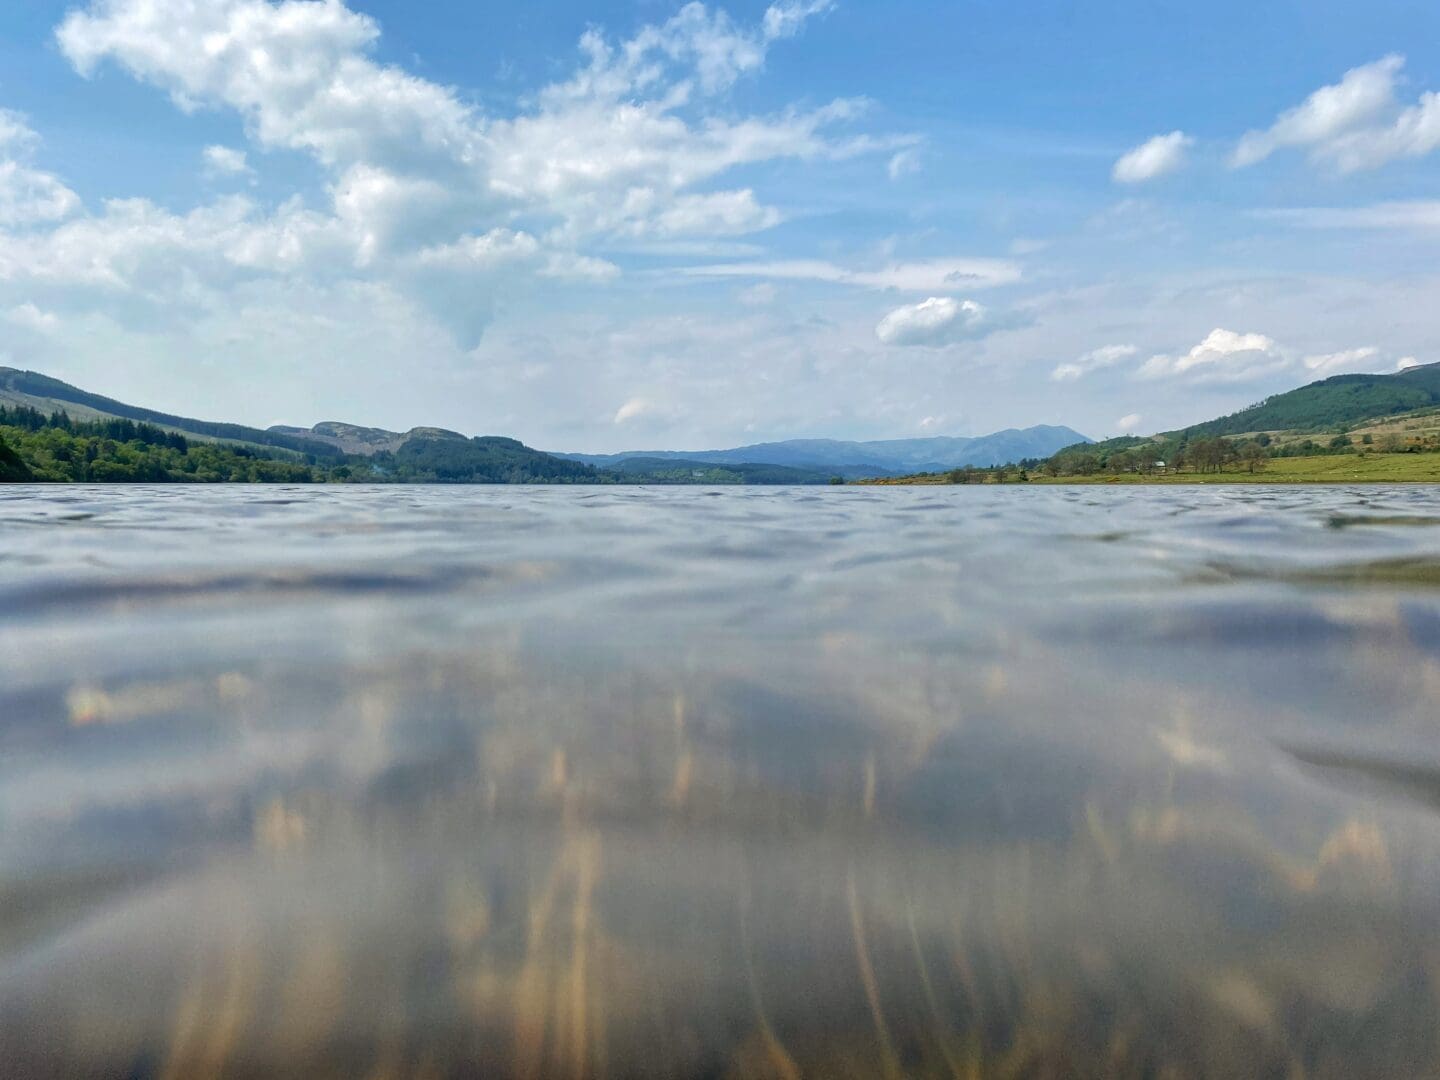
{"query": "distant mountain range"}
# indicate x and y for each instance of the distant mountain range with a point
(885, 457)
(206, 450)
(348, 451)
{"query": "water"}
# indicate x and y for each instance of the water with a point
(750, 782)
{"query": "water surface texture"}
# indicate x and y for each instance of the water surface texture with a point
(751, 782)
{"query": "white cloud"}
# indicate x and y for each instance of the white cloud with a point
(15, 132)
(1224, 356)
(723, 213)
(940, 320)
(1362, 359)
(1128, 423)
(785, 19)
(28, 196)
(1399, 215)
(757, 295)
(643, 409)
(225, 161)
(606, 151)
(297, 73)
(1405, 363)
(1153, 158)
(922, 276)
(1094, 360)
(1354, 124)
(30, 317)
(631, 147)
(903, 164)
(1414, 133)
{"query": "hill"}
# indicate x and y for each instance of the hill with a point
(41, 392)
(885, 457)
(353, 439)
(485, 459)
(1332, 403)
(1343, 414)
(59, 432)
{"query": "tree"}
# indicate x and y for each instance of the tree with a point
(1254, 457)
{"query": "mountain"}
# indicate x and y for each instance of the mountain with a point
(886, 457)
(61, 432)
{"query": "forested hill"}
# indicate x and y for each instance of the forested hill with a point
(55, 447)
(41, 392)
(1339, 415)
(1331, 403)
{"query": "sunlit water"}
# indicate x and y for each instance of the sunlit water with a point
(622, 781)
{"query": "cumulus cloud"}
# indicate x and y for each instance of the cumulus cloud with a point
(1153, 158)
(1224, 356)
(1128, 423)
(632, 146)
(1405, 363)
(1352, 125)
(938, 321)
(618, 148)
(28, 196)
(1103, 357)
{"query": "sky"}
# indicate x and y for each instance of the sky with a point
(624, 225)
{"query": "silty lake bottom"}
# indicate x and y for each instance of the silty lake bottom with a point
(746, 782)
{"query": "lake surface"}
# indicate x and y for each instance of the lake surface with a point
(741, 782)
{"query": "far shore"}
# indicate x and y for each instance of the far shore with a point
(1401, 468)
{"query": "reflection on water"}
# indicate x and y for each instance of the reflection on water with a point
(538, 782)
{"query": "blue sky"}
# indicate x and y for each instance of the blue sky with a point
(608, 226)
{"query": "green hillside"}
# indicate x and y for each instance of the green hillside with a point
(1332, 403)
(46, 394)
(454, 459)
(56, 448)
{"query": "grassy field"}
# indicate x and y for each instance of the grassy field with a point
(1321, 469)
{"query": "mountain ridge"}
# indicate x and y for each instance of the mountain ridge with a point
(877, 457)
(433, 453)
